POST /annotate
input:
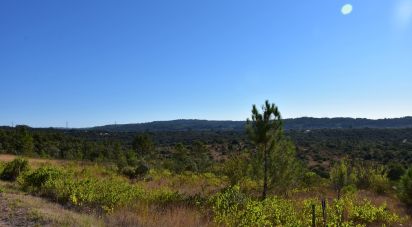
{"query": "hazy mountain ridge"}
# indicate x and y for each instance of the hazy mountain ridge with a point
(304, 123)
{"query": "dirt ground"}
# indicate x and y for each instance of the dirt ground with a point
(14, 214)
(20, 209)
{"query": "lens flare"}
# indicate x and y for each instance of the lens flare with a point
(347, 9)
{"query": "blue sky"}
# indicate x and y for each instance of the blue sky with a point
(97, 62)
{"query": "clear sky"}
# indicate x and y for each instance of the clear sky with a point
(94, 62)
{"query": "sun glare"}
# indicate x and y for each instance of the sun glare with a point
(347, 9)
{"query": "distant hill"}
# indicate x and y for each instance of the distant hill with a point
(304, 123)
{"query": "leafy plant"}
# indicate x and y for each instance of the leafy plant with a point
(340, 176)
(368, 213)
(40, 177)
(227, 205)
(396, 171)
(374, 177)
(14, 168)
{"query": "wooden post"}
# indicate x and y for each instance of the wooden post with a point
(324, 211)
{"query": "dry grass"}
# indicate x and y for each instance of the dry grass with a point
(47, 213)
(37, 162)
(152, 217)
(32, 161)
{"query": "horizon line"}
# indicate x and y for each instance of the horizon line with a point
(197, 119)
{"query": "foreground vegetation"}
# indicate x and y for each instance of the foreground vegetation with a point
(206, 199)
(265, 180)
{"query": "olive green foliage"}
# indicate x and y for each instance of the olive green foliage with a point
(24, 141)
(195, 158)
(311, 179)
(143, 144)
(371, 176)
(1, 167)
(340, 176)
(180, 160)
(13, 169)
(368, 213)
(396, 171)
(40, 177)
(139, 171)
(237, 168)
(233, 208)
(285, 171)
(107, 193)
(405, 187)
(201, 156)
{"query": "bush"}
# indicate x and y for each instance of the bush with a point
(396, 171)
(14, 168)
(405, 187)
(40, 177)
(372, 177)
(129, 172)
(368, 213)
(86, 191)
(349, 189)
(227, 204)
(1, 167)
(340, 176)
(142, 169)
(233, 208)
(380, 183)
(135, 172)
(236, 168)
(311, 179)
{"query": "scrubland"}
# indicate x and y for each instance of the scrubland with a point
(71, 193)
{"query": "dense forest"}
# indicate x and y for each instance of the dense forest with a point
(316, 148)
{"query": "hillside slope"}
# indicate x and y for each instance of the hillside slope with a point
(296, 123)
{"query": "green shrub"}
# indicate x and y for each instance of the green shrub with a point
(349, 189)
(129, 172)
(340, 176)
(380, 183)
(227, 205)
(106, 194)
(311, 179)
(135, 172)
(233, 208)
(142, 169)
(1, 167)
(14, 168)
(368, 213)
(236, 168)
(281, 212)
(396, 171)
(405, 187)
(372, 177)
(40, 177)
(90, 191)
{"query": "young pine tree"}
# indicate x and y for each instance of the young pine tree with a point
(264, 130)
